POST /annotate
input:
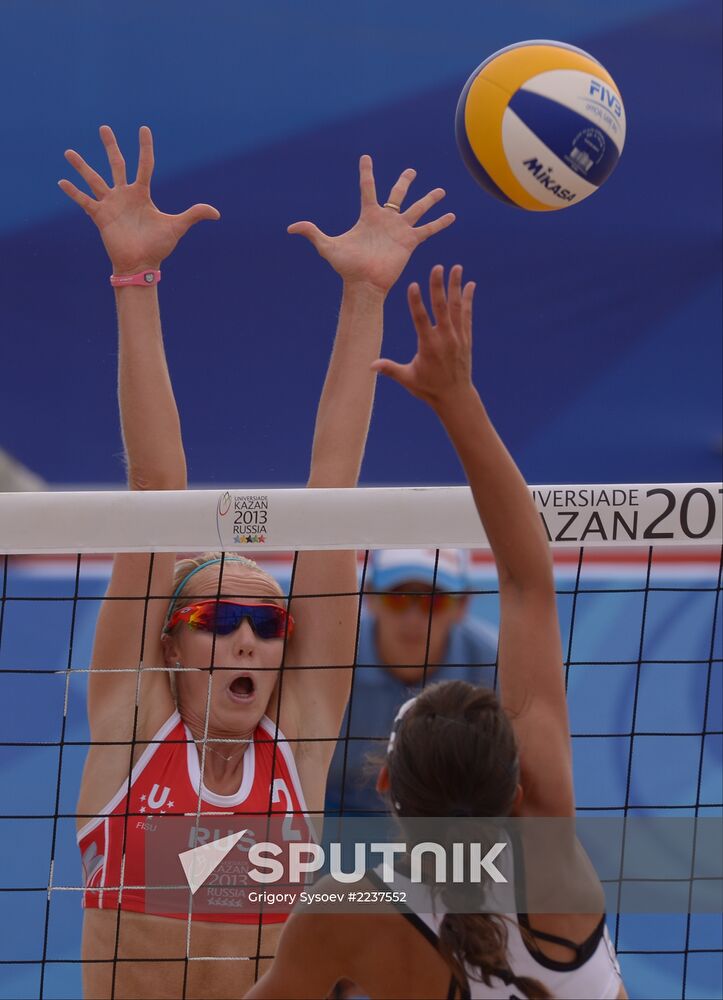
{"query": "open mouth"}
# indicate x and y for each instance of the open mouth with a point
(242, 688)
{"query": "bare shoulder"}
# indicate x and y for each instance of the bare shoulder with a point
(384, 953)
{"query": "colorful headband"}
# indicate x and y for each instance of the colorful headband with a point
(197, 569)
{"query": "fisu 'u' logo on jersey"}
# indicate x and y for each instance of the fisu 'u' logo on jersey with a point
(157, 800)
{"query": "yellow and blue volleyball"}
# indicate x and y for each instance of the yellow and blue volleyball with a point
(540, 125)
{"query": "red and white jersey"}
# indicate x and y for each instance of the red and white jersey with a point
(166, 780)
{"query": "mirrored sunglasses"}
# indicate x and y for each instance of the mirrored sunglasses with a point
(269, 621)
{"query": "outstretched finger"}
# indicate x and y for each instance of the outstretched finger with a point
(415, 212)
(311, 232)
(146, 160)
(467, 298)
(87, 203)
(366, 181)
(418, 310)
(115, 157)
(454, 296)
(399, 191)
(91, 177)
(437, 296)
(424, 232)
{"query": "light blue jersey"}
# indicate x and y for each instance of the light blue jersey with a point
(376, 695)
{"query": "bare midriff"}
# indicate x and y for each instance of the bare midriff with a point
(158, 957)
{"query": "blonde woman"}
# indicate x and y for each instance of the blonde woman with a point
(244, 735)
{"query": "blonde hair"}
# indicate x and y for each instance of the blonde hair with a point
(187, 568)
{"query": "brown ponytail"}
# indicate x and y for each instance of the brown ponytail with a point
(455, 754)
(480, 941)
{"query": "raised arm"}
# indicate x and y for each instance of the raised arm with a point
(530, 655)
(137, 238)
(369, 258)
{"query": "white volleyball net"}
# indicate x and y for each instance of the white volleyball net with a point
(638, 576)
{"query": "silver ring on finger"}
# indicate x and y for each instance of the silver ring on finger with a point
(390, 204)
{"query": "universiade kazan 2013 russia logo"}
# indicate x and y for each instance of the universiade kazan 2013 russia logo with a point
(242, 519)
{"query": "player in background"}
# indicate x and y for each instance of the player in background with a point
(416, 628)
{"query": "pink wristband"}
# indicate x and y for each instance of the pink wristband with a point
(142, 278)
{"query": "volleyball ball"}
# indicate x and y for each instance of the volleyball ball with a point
(540, 125)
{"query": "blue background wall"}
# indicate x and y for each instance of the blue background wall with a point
(598, 347)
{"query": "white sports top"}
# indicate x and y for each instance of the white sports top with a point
(593, 975)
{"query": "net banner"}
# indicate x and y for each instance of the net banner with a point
(680, 514)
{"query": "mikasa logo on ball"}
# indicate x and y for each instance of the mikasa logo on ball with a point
(543, 175)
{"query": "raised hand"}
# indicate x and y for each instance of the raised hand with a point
(376, 249)
(442, 367)
(135, 234)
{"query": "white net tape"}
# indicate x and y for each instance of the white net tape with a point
(258, 521)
